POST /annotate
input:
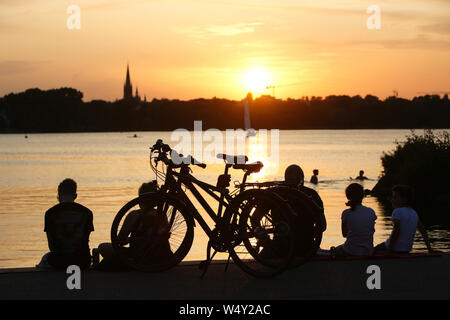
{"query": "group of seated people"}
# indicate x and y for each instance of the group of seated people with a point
(69, 224)
(358, 224)
(358, 221)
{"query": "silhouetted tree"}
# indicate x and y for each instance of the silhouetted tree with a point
(62, 110)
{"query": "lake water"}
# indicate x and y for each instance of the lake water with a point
(109, 168)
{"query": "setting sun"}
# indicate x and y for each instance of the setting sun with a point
(256, 80)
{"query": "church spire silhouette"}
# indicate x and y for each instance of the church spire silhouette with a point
(127, 88)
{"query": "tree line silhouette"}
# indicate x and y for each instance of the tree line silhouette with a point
(63, 110)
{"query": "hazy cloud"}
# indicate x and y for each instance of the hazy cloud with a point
(421, 41)
(14, 3)
(440, 27)
(10, 67)
(219, 30)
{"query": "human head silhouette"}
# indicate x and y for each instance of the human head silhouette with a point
(402, 196)
(147, 187)
(354, 193)
(67, 190)
(151, 186)
(294, 175)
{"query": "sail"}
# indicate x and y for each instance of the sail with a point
(248, 128)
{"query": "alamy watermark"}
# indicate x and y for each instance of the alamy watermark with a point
(204, 146)
(374, 20)
(374, 280)
(74, 280)
(74, 20)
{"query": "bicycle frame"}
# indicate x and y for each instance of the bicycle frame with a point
(173, 186)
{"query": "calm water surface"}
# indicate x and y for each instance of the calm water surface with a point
(109, 168)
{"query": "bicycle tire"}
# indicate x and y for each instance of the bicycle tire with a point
(247, 207)
(157, 199)
(308, 216)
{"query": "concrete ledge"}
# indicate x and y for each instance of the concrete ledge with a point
(418, 278)
(34, 269)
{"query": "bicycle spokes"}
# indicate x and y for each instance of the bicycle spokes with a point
(160, 232)
(265, 241)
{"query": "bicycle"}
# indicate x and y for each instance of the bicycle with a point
(308, 221)
(253, 226)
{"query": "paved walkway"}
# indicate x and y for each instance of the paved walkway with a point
(416, 278)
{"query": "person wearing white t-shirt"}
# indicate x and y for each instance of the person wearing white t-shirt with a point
(405, 223)
(358, 225)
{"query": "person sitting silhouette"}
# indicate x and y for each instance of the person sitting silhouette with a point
(361, 176)
(405, 223)
(303, 227)
(68, 226)
(146, 233)
(314, 179)
(294, 176)
(357, 225)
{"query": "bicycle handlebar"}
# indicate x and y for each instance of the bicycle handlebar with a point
(176, 159)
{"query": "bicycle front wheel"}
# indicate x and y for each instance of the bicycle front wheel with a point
(145, 249)
(263, 243)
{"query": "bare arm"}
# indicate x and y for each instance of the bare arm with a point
(395, 234)
(127, 227)
(344, 228)
(424, 233)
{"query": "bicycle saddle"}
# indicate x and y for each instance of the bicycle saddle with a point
(232, 159)
(249, 167)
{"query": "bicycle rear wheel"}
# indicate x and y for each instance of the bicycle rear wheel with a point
(306, 224)
(263, 243)
(155, 254)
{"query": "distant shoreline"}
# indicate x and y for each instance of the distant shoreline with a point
(63, 111)
(144, 131)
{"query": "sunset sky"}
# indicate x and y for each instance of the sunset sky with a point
(206, 48)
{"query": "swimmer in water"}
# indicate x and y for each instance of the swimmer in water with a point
(361, 176)
(314, 179)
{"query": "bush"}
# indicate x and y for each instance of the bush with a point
(422, 161)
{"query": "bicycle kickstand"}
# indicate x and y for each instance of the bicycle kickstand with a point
(205, 263)
(228, 262)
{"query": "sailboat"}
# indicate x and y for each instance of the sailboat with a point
(250, 131)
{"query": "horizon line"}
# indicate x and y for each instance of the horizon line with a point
(420, 94)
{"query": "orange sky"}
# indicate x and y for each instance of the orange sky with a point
(204, 48)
